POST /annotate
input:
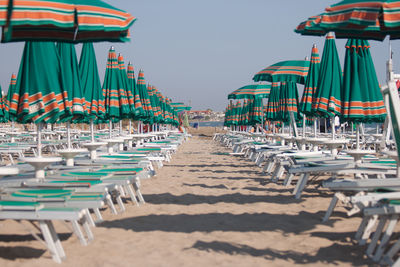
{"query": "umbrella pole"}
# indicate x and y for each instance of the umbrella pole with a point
(352, 128)
(110, 129)
(39, 139)
(120, 127)
(92, 130)
(130, 126)
(304, 125)
(68, 135)
(358, 136)
(333, 127)
(315, 128)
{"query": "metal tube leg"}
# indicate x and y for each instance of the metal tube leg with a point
(78, 233)
(329, 211)
(48, 238)
(301, 184)
(131, 193)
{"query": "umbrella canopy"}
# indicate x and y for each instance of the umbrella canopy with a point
(362, 100)
(66, 20)
(256, 111)
(116, 103)
(90, 82)
(356, 19)
(288, 101)
(179, 106)
(134, 91)
(72, 90)
(273, 103)
(144, 97)
(125, 85)
(38, 93)
(311, 83)
(284, 71)
(9, 100)
(251, 91)
(328, 95)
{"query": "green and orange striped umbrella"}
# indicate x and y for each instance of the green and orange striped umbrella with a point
(3, 111)
(125, 88)
(179, 106)
(271, 113)
(311, 84)
(72, 88)
(256, 109)
(329, 93)
(284, 71)
(288, 102)
(362, 100)
(361, 19)
(144, 97)
(134, 91)
(251, 91)
(90, 82)
(38, 96)
(9, 100)
(63, 20)
(115, 100)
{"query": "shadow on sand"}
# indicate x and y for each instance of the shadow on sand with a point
(185, 223)
(20, 252)
(326, 255)
(237, 198)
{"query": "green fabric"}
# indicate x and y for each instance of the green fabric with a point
(311, 84)
(251, 91)
(72, 21)
(144, 98)
(133, 91)
(75, 104)
(284, 71)
(85, 174)
(149, 149)
(121, 170)
(90, 80)
(38, 94)
(273, 103)
(19, 203)
(116, 103)
(91, 182)
(328, 95)
(362, 97)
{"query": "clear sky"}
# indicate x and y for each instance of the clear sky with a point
(200, 51)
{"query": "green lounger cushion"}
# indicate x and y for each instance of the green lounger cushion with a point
(90, 182)
(43, 193)
(122, 170)
(85, 174)
(149, 149)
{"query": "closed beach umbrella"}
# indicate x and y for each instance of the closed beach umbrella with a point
(284, 71)
(115, 102)
(288, 102)
(251, 91)
(273, 103)
(90, 83)
(125, 91)
(38, 94)
(67, 20)
(9, 100)
(132, 87)
(91, 87)
(256, 111)
(311, 84)
(72, 89)
(362, 99)
(328, 95)
(144, 97)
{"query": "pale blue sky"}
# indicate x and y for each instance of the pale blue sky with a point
(200, 51)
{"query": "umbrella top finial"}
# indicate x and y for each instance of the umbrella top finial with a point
(314, 46)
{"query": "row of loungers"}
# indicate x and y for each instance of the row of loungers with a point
(366, 181)
(79, 194)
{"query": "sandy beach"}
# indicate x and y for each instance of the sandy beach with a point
(205, 208)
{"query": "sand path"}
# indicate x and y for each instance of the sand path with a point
(206, 209)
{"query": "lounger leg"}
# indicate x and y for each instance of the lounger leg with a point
(88, 231)
(111, 204)
(136, 185)
(132, 194)
(78, 233)
(57, 241)
(388, 257)
(365, 229)
(120, 203)
(329, 211)
(386, 236)
(48, 238)
(288, 179)
(89, 218)
(376, 236)
(301, 184)
(98, 215)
